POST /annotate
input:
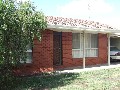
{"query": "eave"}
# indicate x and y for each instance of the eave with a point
(61, 28)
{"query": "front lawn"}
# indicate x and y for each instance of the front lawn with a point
(107, 79)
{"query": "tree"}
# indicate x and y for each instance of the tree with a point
(19, 24)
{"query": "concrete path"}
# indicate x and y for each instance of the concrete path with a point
(88, 68)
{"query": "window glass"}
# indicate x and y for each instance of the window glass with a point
(75, 40)
(94, 41)
(87, 40)
(91, 45)
(28, 55)
(114, 49)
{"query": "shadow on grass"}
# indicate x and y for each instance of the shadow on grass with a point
(42, 82)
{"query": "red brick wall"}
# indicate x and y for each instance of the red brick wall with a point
(42, 56)
(68, 61)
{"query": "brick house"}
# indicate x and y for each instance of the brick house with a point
(69, 42)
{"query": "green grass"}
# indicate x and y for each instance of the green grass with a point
(107, 79)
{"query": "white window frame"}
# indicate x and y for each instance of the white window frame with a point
(81, 47)
(80, 50)
(27, 60)
(91, 46)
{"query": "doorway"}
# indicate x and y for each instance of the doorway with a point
(57, 48)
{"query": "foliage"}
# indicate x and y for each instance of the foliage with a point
(40, 82)
(19, 24)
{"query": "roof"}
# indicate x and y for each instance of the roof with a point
(76, 23)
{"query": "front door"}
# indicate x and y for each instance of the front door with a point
(57, 48)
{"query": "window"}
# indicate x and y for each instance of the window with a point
(77, 45)
(91, 45)
(28, 55)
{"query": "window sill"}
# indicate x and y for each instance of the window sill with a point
(85, 57)
(26, 64)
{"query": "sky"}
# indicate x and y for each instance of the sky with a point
(103, 11)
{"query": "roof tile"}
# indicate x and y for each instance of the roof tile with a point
(76, 22)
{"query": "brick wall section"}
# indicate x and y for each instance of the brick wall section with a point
(42, 56)
(68, 61)
(103, 45)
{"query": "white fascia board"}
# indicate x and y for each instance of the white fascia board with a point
(115, 35)
(63, 27)
(79, 29)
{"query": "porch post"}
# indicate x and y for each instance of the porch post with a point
(83, 49)
(108, 35)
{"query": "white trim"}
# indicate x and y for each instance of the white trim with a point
(76, 52)
(62, 28)
(29, 50)
(108, 35)
(91, 48)
(114, 35)
(27, 60)
(83, 50)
